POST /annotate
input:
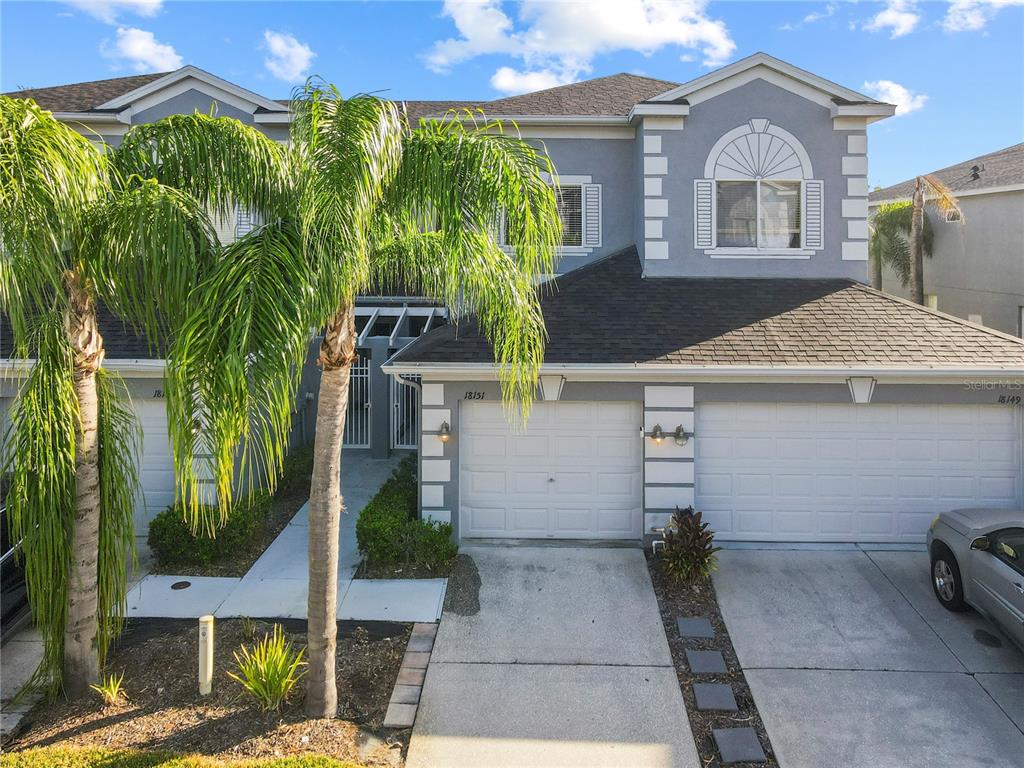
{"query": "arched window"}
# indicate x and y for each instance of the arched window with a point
(758, 198)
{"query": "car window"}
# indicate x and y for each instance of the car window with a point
(1008, 546)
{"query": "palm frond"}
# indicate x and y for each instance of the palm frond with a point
(349, 151)
(234, 367)
(468, 271)
(49, 177)
(39, 454)
(120, 448)
(144, 250)
(942, 197)
(890, 233)
(219, 161)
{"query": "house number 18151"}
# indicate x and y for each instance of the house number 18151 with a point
(474, 395)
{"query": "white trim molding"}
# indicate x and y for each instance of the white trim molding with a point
(189, 71)
(781, 156)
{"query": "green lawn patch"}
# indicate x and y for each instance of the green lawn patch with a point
(63, 757)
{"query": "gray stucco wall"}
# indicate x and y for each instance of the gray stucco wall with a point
(610, 163)
(454, 394)
(977, 267)
(687, 151)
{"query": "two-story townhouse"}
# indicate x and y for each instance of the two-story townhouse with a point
(976, 270)
(712, 341)
(716, 344)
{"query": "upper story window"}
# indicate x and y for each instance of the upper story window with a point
(579, 208)
(759, 198)
(570, 209)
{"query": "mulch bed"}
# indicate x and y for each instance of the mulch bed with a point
(411, 571)
(164, 710)
(700, 600)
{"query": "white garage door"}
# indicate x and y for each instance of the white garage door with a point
(574, 473)
(806, 472)
(156, 466)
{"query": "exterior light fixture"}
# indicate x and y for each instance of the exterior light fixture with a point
(444, 434)
(657, 434)
(680, 436)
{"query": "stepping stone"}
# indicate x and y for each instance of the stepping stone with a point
(706, 662)
(400, 716)
(714, 696)
(416, 659)
(695, 627)
(429, 630)
(738, 745)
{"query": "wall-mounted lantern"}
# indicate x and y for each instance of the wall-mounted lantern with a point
(680, 436)
(657, 434)
(444, 434)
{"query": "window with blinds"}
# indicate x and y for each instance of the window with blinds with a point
(570, 209)
(758, 214)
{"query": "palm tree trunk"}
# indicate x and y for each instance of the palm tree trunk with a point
(337, 353)
(81, 651)
(876, 271)
(917, 245)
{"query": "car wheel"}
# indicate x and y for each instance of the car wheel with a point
(946, 582)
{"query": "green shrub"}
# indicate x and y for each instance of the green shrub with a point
(296, 472)
(270, 671)
(84, 757)
(689, 551)
(174, 544)
(389, 533)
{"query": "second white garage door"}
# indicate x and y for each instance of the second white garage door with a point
(806, 472)
(574, 473)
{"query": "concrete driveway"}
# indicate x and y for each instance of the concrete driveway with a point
(565, 664)
(852, 662)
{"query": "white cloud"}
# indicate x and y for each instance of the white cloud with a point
(108, 10)
(289, 60)
(899, 16)
(508, 80)
(906, 100)
(972, 15)
(141, 50)
(557, 41)
(811, 18)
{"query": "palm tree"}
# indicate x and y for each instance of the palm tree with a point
(942, 198)
(373, 201)
(901, 235)
(82, 226)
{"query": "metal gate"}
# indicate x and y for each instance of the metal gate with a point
(357, 422)
(405, 414)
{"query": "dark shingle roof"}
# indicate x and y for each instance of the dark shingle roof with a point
(612, 95)
(82, 97)
(996, 169)
(608, 313)
(119, 341)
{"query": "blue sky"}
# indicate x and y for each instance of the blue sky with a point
(955, 68)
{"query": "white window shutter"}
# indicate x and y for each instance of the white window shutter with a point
(703, 213)
(244, 223)
(814, 204)
(592, 215)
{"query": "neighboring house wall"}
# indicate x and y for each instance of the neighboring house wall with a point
(977, 266)
(682, 158)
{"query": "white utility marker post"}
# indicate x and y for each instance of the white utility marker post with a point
(205, 655)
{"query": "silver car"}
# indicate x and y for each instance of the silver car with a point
(977, 558)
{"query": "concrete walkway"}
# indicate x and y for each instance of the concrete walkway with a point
(276, 585)
(852, 662)
(565, 664)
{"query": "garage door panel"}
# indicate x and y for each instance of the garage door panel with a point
(877, 472)
(575, 472)
(487, 482)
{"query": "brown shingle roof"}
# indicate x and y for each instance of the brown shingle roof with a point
(81, 97)
(612, 95)
(608, 313)
(996, 169)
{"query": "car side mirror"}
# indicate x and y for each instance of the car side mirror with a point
(981, 544)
